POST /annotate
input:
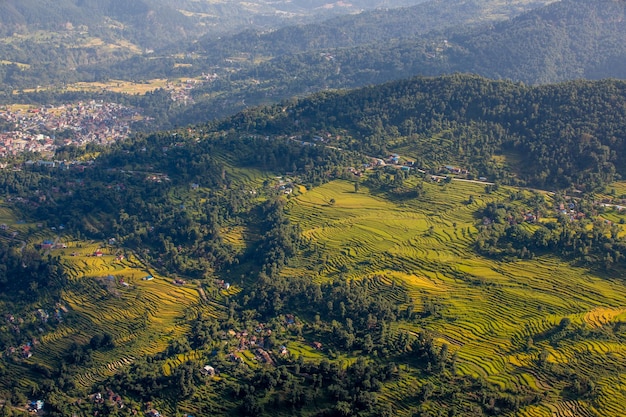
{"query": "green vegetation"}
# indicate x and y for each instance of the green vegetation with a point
(56, 42)
(246, 267)
(563, 41)
(253, 68)
(553, 137)
(395, 282)
(373, 252)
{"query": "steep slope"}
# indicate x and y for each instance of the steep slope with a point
(200, 16)
(193, 275)
(142, 22)
(567, 40)
(46, 39)
(365, 28)
(562, 135)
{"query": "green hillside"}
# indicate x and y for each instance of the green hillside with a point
(45, 42)
(565, 40)
(562, 41)
(554, 136)
(268, 264)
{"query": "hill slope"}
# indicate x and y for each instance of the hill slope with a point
(47, 38)
(376, 26)
(561, 135)
(566, 40)
(262, 265)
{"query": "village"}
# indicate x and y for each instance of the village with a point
(44, 129)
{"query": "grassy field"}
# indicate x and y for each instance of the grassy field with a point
(119, 86)
(414, 251)
(107, 293)
(488, 309)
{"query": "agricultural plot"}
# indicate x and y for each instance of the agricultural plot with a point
(487, 311)
(120, 86)
(107, 294)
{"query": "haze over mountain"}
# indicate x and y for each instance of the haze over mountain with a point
(371, 27)
(152, 23)
(563, 41)
(69, 33)
(566, 40)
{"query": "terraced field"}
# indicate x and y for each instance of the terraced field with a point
(488, 309)
(107, 294)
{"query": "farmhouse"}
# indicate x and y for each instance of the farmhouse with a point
(235, 358)
(47, 244)
(26, 353)
(454, 170)
(208, 370)
(264, 356)
(35, 406)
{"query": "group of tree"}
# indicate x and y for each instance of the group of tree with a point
(585, 40)
(571, 132)
(579, 235)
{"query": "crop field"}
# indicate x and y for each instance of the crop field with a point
(107, 294)
(493, 315)
(19, 64)
(120, 86)
(487, 310)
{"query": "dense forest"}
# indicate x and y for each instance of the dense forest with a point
(27, 277)
(571, 132)
(251, 68)
(54, 43)
(577, 233)
(125, 200)
(585, 41)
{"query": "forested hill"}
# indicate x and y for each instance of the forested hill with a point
(142, 22)
(553, 136)
(44, 42)
(243, 51)
(566, 40)
(374, 26)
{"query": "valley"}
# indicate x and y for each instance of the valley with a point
(320, 209)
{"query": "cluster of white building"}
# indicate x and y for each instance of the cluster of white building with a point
(45, 128)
